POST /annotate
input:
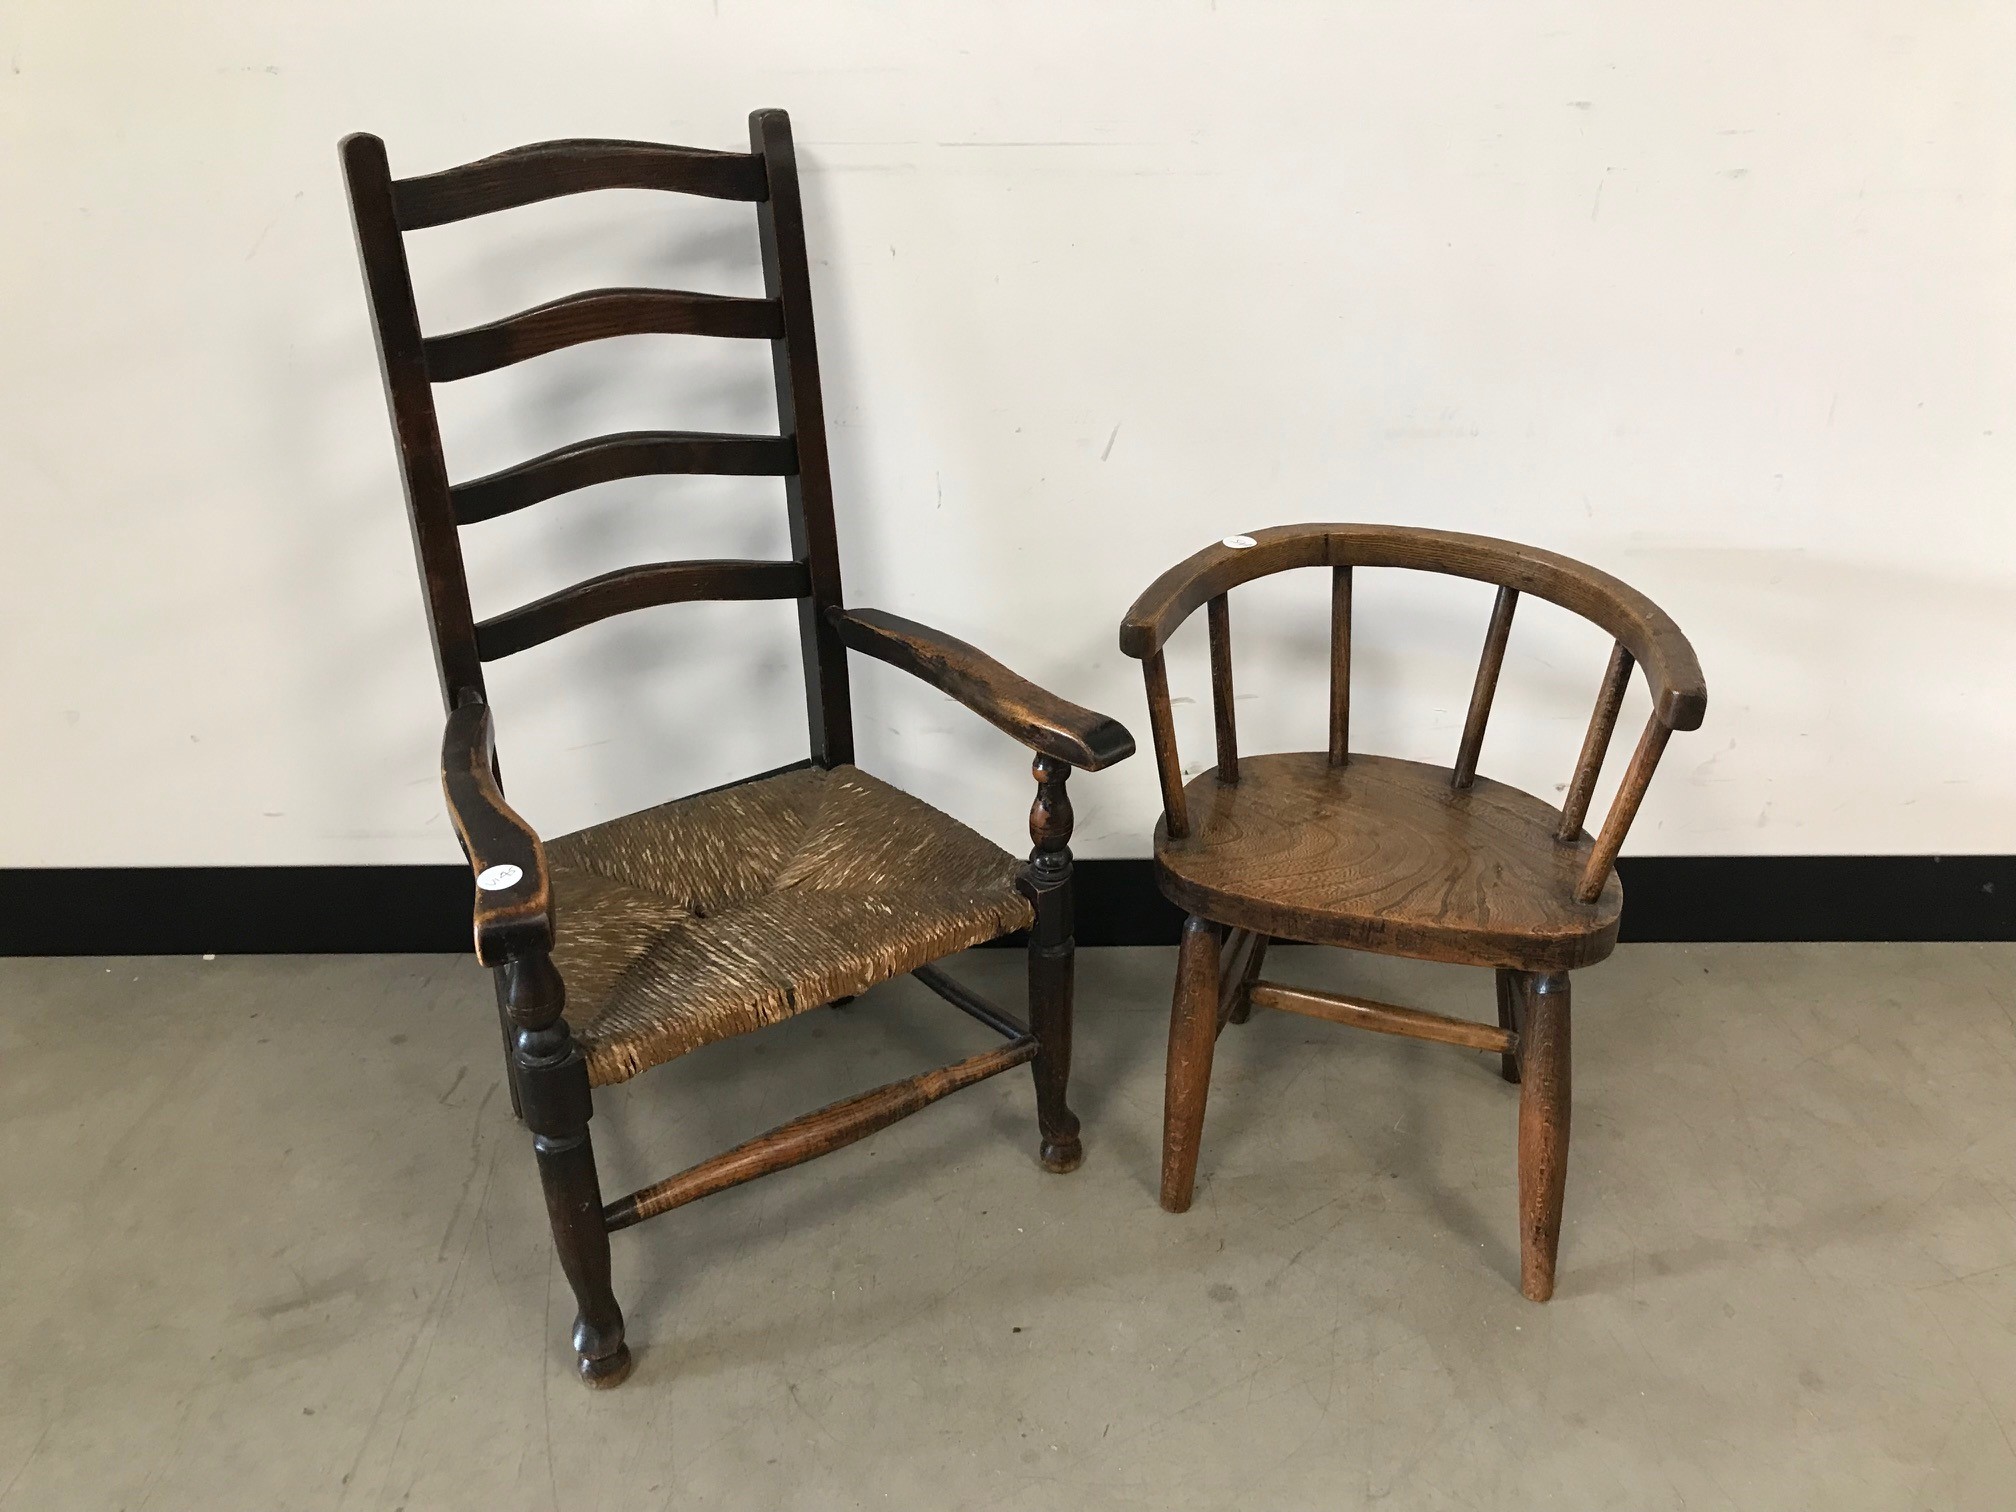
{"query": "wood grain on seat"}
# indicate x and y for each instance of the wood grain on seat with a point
(1384, 854)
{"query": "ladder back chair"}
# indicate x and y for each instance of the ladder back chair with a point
(634, 941)
(1335, 847)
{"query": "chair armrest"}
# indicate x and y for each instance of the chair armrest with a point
(1043, 722)
(515, 919)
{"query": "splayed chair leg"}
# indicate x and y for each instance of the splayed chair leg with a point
(1543, 1128)
(1193, 1037)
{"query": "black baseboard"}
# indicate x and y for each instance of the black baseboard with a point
(346, 909)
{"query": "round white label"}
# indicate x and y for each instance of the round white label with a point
(1240, 543)
(498, 878)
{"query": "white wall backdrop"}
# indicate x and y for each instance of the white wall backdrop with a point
(1719, 297)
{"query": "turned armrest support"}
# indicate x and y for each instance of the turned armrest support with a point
(512, 921)
(1043, 722)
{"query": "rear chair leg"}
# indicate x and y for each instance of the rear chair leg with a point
(510, 1040)
(1508, 1018)
(552, 1081)
(1193, 1036)
(1052, 947)
(1242, 1005)
(1543, 1127)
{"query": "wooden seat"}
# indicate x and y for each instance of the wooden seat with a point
(1341, 848)
(629, 943)
(1382, 854)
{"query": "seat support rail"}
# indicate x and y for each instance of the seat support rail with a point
(830, 1128)
(969, 1002)
(1386, 1018)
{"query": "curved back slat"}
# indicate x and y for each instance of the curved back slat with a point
(593, 316)
(548, 170)
(766, 177)
(634, 588)
(635, 454)
(1679, 691)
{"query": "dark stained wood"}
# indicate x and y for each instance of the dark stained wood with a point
(1193, 1039)
(1508, 1020)
(631, 588)
(801, 415)
(1042, 721)
(595, 316)
(1602, 723)
(513, 920)
(604, 459)
(1052, 961)
(1168, 764)
(547, 170)
(967, 1001)
(830, 1128)
(1596, 872)
(1384, 855)
(1223, 715)
(1543, 1129)
(1386, 1018)
(1679, 693)
(514, 924)
(388, 284)
(553, 1083)
(1488, 667)
(1340, 665)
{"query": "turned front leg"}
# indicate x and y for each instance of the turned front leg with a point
(1047, 882)
(552, 1083)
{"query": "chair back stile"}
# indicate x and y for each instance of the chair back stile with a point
(385, 209)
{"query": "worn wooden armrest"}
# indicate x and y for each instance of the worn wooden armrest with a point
(517, 917)
(1042, 721)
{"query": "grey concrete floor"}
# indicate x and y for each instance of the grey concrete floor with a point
(272, 1240)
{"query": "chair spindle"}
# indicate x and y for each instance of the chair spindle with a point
(1596, 744)
(1340, 665)
(1486, 686)
(1168, 765)
(1218, 613)
(1623, 809)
